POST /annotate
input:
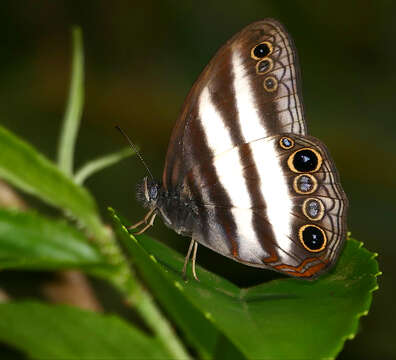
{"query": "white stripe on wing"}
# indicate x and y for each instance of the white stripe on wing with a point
(229, 171)
(275, 190)
(248, 115)
(272, 185)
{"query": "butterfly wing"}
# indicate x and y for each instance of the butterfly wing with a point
(238, 98)
(234, 181)
(270, 213)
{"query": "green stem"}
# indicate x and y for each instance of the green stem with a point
(96, 165)
(72, 118)
(144, 304)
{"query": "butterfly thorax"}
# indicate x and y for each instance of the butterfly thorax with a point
(175, 207)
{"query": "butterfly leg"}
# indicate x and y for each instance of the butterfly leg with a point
(148, 225)
(193, 245)
(187, 258)
(143, 221)
(194, 258)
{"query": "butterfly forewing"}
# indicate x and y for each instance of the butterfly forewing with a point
(231, 102)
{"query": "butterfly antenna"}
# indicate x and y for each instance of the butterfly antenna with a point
(135, 149)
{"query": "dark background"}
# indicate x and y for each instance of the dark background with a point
(141, 60)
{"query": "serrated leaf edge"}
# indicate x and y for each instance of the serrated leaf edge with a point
(354, 324)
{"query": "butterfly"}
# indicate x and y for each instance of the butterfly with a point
(242, 176)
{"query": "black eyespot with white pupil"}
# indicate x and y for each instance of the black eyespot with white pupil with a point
(261, 50)
(313, 238)
(305, 160)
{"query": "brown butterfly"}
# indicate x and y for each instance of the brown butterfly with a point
(242, 177)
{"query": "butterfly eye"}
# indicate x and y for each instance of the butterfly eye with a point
(313, 209)
(153, 192)
(305, 160)
(261, 50)
(305, 184)
(312, 237)
(286, 143)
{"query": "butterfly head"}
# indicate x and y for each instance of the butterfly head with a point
(147, 192)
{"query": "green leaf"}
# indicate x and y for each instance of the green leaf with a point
(24, 167)
(71, 121)
(30, 241)
(62, 332)
(101, 163)
(281, 319)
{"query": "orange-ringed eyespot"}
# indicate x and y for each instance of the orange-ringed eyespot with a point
(270, 83)
(305, 184)
(312, 238)
(261, 50)
(286, 143)
(313, 209)
(264, 66)
(305, 160)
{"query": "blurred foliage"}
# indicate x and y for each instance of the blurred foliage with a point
(63, 329)
(141, 60)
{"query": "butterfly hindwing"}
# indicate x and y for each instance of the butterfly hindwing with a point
(266, 208)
